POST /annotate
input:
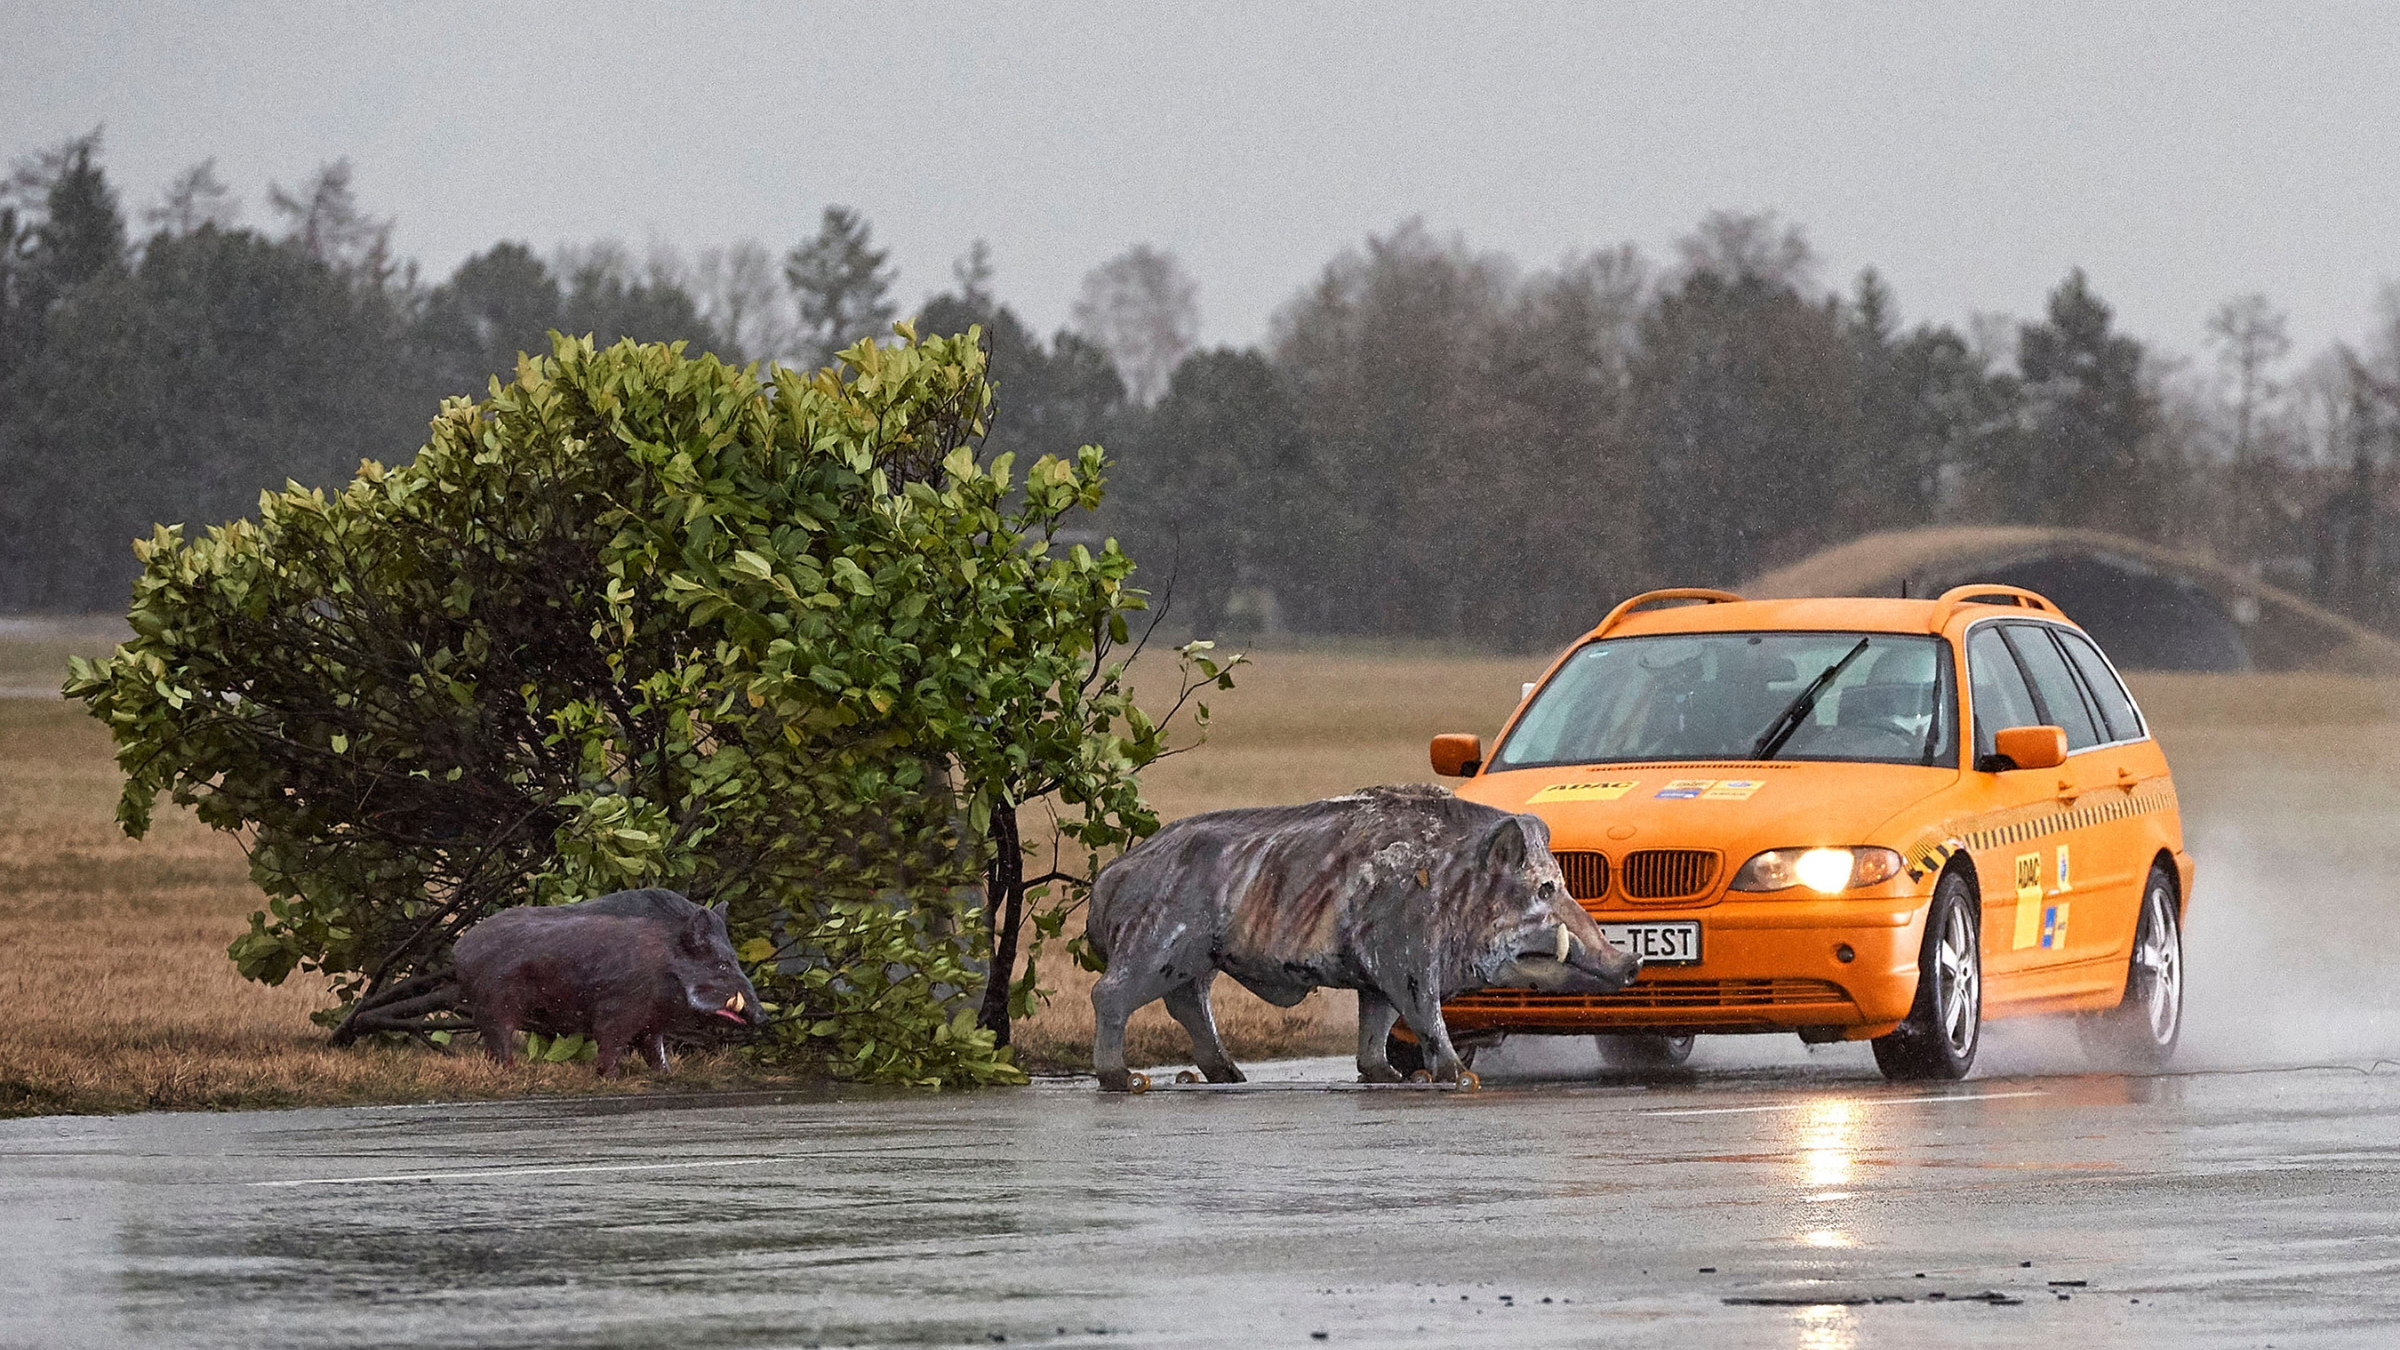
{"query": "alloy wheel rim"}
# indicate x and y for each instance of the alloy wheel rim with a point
(2161, 958)
(1958, 983)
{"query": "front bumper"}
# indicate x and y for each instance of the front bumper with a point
(1766, 965)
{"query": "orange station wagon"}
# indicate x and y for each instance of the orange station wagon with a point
(1884, 820)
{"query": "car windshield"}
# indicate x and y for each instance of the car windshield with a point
(1882, 698)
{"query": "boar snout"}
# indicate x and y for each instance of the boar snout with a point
(739, 1004)
(1572, 957)
(1608, 967)
(745, 1009)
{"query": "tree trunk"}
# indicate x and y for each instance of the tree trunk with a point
(1004, 912)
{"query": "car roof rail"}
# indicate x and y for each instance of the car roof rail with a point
(1701, 593)
(1988, 593)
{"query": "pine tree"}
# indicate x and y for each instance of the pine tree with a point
(842, 286)
(2090, 417)
(82, 234)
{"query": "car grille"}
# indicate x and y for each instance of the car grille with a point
(1587, 874)
(1763, 993)
(1668, 873)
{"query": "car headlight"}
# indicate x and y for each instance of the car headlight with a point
(1827, 871)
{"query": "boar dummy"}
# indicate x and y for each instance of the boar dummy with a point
(628, 970)
(1407, 895)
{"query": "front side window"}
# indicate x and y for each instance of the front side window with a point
(2002, 699)
(1873, 697)
(2054, 685)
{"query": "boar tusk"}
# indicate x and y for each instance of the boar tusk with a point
(734, 1001)
(1562, 942)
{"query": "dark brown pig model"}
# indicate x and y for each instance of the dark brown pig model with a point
(1405, 894)
(626, 969)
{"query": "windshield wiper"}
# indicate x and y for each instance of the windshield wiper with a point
(1794, 713)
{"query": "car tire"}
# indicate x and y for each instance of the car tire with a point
(1643, 1052)
(2142, 1031)
(1945, 1024)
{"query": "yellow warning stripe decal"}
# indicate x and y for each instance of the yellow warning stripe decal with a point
(1928, 856)
(2019, 825)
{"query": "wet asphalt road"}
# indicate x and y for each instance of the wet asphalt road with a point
(2212, 1209)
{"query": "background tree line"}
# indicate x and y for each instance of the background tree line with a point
(1432, 442)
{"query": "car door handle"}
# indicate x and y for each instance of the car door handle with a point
(2066, 789)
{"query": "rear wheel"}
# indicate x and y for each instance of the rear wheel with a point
(1643, 1052)
(1945, 1025)
(2143, 1029)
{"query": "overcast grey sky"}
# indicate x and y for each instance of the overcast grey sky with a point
(2179, 152)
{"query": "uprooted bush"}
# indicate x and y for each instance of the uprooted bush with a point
(642, 619)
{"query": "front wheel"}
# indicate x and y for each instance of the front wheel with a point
(1408, 1057)
(1945, 1025)
(1643, 1052)
(2142, 1030)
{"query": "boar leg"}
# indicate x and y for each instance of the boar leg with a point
(1425, 1018)
(496, 1023)
(1189, 1004)
(1114, 998)
(616, 1035)
(1376, 1014)
(654, 1050)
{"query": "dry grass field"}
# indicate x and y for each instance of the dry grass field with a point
(115, 993)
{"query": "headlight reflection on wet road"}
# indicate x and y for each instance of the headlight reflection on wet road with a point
(1828, 1132)
(1827, 1326)
(1824, 1154)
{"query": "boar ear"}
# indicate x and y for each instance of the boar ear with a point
(1537, 830)
(1504, 845)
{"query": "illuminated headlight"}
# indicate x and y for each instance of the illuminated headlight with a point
(1827, 871)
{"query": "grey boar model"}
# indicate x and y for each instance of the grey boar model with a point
(627, 969)
(1405, 894)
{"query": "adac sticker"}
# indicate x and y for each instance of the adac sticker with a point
(1604, 791)
(2063, 883)
(2029, 901)
(1734, 789)
(2054, 926)
(1684, 789)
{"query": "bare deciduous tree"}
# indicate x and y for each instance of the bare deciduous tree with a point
(2248, 333)
(327, 222)
(1144, 309)
(739, 293)
(196, 198)
(1734, 245)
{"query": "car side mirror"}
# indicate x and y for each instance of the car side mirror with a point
(1456, 756)
(2028, 748)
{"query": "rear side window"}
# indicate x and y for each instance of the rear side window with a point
(2054, 685)
(2001, 698)
(2116, 706)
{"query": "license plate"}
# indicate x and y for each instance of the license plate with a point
(1658, 944)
